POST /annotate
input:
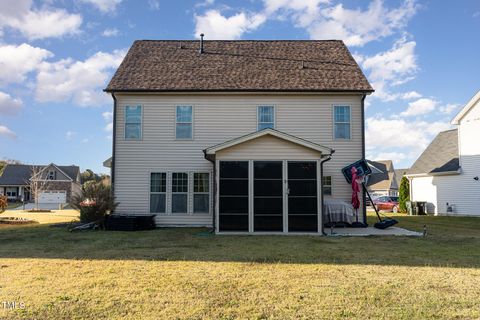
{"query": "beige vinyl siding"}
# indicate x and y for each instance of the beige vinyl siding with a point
(268, 148)
(218, 118)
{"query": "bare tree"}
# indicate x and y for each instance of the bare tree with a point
(38, 183)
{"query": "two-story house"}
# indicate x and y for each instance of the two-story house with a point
(447, 174)
(242, 136)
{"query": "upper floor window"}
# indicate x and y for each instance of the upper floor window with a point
(133, 123)
(341, 122)
(51, 175)
(184, 122)
(266, 117)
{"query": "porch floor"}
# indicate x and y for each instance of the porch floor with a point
(371, 231)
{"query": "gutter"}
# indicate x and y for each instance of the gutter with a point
(114, 131)
(328, 158)
(214, 195)
(364, 196)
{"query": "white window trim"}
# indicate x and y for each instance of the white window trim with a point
(192, 122)
(125, 123)
(209, 193)
(274, 115)
(334, 122)
(150, 193)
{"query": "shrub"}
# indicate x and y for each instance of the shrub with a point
(3, 203)
(94, 202)
(404, 194)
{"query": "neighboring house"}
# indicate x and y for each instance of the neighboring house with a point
(60, 182)
(383, 180)
(236, 134)
(446, 175)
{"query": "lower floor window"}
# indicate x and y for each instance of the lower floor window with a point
(201, 190)
(179, 192)
(11, 192)
(158, 195)
(327, 185)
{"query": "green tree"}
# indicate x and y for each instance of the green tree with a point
(404, 194)
(89, 175)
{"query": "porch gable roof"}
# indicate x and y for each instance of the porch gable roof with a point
(272, 132)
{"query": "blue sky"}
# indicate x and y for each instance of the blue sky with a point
(56, 56)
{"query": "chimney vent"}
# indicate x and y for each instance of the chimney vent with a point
(201, 43)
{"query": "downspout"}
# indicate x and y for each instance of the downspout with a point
(328, 158)
(114, 131)
(214, 191)
(364, 196)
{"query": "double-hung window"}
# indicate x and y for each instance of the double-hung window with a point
(51, 175)
(184, 123)
(133, 123)
(158, 190)
(341, 122)
(179, 192)
(201, 190)
(265, 117)
(327, 185)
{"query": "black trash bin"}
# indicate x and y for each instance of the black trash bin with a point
(129, 222)
(421, 210)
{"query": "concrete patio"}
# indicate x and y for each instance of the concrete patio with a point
(371, 231)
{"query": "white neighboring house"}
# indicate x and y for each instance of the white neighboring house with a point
(236, 135)
(61, 182)
(447, 174)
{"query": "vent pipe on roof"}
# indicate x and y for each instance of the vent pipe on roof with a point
(201, 43)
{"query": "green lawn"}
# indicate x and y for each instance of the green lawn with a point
(182, 273)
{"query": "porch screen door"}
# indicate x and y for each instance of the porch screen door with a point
(268, 196)
(302, 196)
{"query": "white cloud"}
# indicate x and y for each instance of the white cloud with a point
(69, 135)
(411, 95)
(355, 27)
(392, 68)
(9, 105)
(16, 61)
(154, 4)
(449, 108)
(85, 140)
(108, 116)
(216, 26)
(110, 32)
(419, 107)
(387, 135)
(396, 156)
(104, 5)
(79, 81)
(37, 23)
(6, 132)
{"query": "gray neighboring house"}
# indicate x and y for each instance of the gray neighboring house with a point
(383, 180)
(243, 136)
(61, 182)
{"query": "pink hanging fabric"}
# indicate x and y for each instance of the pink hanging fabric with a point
(355, 189)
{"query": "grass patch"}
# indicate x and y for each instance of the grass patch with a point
(181, 273)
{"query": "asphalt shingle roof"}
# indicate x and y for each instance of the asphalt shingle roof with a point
(313, 65)
(383, 180)
(440, 156)
(19, 174)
